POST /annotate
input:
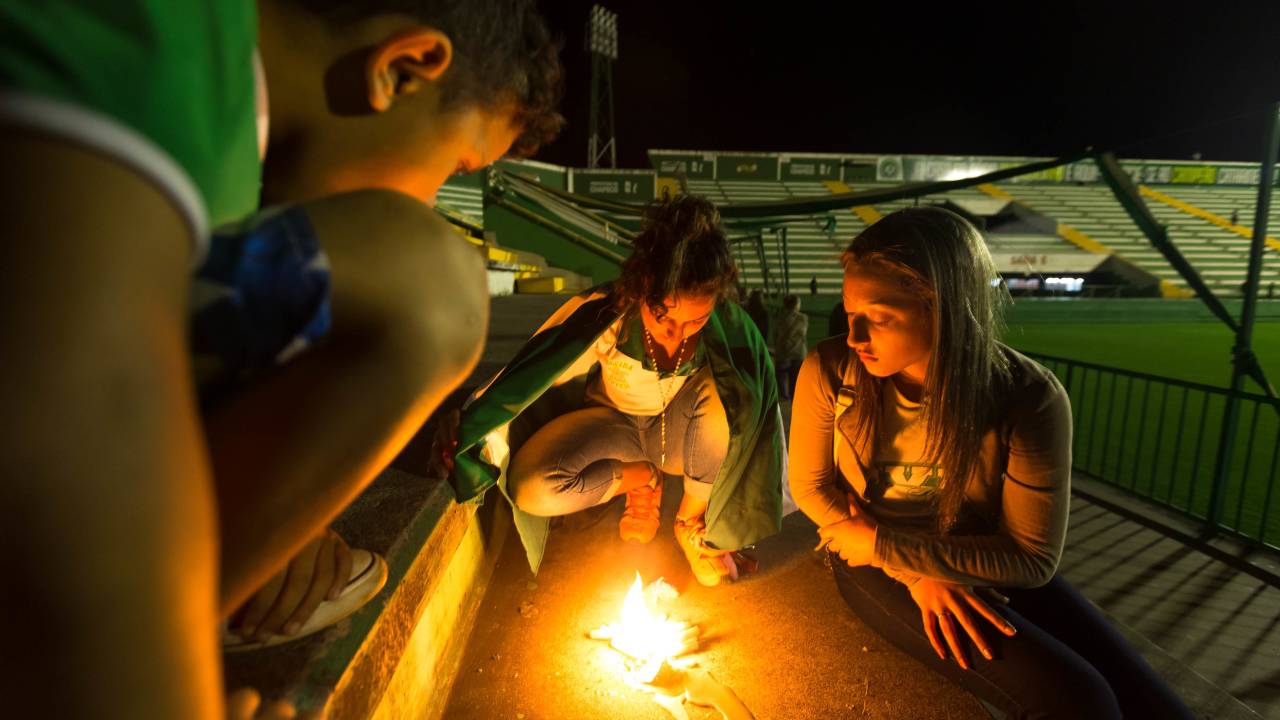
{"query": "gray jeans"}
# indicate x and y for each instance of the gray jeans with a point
(570, 463)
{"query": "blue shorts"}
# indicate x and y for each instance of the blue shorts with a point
(260, 298)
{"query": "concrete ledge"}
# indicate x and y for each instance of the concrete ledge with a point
(1249, 558)
(429, 663)
(1205, 698)
(1200, 609)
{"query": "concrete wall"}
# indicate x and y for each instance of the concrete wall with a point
(421, 681)
(406, 662)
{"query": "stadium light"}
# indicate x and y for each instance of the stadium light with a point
(602, 32)
(602, 46)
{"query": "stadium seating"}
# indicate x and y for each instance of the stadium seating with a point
(813, 252)
(1198, 218)
(464, 198)
(1219, 254)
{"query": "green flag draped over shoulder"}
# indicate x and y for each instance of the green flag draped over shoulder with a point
(746, 498)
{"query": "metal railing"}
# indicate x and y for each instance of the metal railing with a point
(1159, 438)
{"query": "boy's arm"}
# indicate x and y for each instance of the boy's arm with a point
(410, 313)
(108, 516)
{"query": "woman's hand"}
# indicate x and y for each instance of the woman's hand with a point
(445, 443)
(284, 604)
(854, 540)
(850, 540)
(945, 605)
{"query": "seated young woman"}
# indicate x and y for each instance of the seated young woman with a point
(936, 462)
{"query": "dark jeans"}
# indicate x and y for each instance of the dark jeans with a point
(787, 371)
(1066, 660)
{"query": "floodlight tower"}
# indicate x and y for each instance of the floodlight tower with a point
(602, 45)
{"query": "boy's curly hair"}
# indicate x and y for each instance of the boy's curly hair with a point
(504, 57)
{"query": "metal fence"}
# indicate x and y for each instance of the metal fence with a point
(1162, 439)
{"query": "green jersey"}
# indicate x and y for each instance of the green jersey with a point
(165, 86)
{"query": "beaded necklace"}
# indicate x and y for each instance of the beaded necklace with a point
(662, 393)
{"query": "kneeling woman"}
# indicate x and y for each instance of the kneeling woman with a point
(936, 462)
(653, 374)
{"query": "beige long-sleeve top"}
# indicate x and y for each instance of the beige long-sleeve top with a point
(1013, 522)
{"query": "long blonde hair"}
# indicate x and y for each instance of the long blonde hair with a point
(944, 259)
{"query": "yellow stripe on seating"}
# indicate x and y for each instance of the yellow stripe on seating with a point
(1065, 231)
(1081, 240)
(996, 192)
(868, 214)
(1203, 214)
(1169, 290)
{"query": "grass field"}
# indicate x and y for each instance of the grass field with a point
(1179, 339)
(1155, 438)
(1161, 440)
(1198, 352)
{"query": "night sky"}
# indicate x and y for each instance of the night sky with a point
(1148, 80)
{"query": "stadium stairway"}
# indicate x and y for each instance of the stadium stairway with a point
(866, 213)
(510, 271)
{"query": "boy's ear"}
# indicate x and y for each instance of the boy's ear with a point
(400, 64)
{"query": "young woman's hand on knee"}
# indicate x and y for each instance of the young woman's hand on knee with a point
(946, 609)
(854, 540)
